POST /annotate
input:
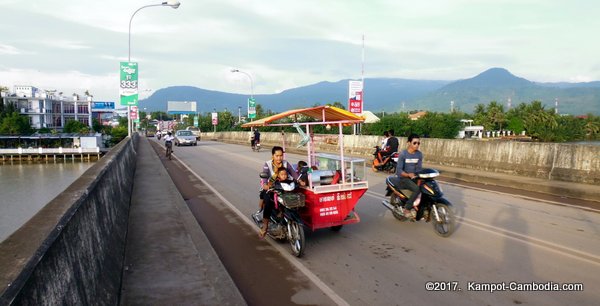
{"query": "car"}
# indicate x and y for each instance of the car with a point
(195, 131)
(150, 132)
(185, 137)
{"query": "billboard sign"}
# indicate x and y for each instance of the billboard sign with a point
(128, 87)
(355, 97)
(181, 107)
(103, 105)
(215, 118)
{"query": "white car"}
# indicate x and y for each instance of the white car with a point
(195, 131)
(185, 137)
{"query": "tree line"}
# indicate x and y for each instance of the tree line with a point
(533, 118)
(538, 122)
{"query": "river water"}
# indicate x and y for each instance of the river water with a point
(26, 188)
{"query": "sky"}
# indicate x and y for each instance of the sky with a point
(74, 46)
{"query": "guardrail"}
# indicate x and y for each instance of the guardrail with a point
(49, 150)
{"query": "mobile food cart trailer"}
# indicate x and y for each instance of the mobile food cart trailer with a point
(336, 182)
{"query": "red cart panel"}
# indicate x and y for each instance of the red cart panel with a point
(331, 208)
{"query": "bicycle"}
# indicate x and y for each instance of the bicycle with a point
(169, 146)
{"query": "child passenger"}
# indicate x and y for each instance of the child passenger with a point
(280, 178)
(278, 183)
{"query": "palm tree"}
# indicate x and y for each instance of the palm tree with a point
(495, 115)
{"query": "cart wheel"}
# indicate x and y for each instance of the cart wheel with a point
(297, 241)
(336, 228)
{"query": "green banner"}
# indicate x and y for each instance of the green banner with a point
(128, 88)
(251, 108)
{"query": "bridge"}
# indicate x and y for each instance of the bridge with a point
(139, 229)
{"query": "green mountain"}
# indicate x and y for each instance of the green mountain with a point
(393, 95)
(497, 84)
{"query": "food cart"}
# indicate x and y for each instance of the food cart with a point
(335, 181)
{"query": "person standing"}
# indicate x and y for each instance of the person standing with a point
(410, 162)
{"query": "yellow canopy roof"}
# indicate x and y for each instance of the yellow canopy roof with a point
(324, 114)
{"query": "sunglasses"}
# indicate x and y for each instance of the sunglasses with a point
(416, 143)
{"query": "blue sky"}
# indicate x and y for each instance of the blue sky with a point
(73, 46)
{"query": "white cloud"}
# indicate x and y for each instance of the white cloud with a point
(285, 43)
(6, 49)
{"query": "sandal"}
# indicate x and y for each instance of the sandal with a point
(262, 233)
(409, 214)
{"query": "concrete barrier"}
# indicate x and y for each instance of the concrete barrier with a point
(552, 161)
(72, 251)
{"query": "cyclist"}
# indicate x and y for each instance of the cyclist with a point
(169, 143)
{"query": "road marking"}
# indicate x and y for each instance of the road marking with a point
(550, 246)
(525, 197)
(553, 247)
(293, 260)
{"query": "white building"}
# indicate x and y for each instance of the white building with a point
(47, 109)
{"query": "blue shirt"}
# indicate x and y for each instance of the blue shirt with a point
(409, 163)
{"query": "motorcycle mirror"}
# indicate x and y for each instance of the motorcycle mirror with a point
(263, 175)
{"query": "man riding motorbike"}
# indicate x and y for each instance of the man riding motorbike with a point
(410, 162)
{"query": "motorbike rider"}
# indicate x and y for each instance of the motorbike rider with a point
(391, 144)
(386, 136)
(266, 202)
(256, 137)
(410, 162)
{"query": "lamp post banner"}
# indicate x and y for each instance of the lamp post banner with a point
(251, 108)
(215, 119)
(133, 114)
(129, 83)
(355, 97)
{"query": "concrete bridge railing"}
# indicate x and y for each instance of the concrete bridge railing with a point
(553, 161)
(72, 251)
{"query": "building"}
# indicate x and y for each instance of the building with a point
(52, 110)
(417, 115)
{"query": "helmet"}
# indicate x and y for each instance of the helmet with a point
(169, 133)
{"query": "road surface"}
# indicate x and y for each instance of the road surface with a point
(507, 249)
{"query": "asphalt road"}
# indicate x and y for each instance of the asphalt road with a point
(501, 238)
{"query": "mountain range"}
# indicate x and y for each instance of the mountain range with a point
(394, 94)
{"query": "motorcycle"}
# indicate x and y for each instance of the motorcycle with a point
(158, 135)
(255, 145)
(381, 163)
(285, 222)
(430, 205)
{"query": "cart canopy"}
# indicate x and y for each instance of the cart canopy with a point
(323, 114)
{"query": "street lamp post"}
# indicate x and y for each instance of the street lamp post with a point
(251, 81)
(171, 3)
(251, 88)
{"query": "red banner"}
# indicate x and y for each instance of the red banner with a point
(355, 97)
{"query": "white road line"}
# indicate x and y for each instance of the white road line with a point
(553, 247)
(550, 246)
(293, 260)
(524, 197)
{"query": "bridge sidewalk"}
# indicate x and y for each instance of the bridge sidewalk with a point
(169, 260)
